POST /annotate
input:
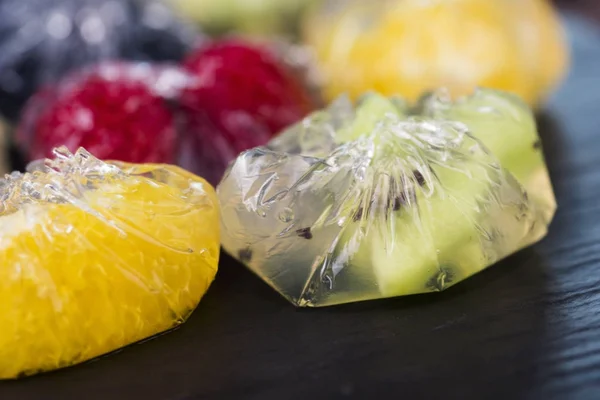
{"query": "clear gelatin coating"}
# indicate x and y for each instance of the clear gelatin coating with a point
(407, 47)
(95, 256)
(380, 199)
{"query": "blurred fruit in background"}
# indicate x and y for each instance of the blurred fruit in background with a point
(297, 58)
(117, 111)
(409, 47)
(41, 40)
(226, 97)
(240, 95)
(244, 16)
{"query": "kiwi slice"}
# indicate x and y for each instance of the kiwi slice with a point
(507, 127)
(450, 211)
(380, 198)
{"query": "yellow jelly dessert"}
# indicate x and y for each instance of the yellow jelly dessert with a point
(408, 47)
(95, 256)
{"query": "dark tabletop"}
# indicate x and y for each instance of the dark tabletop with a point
(528, 327)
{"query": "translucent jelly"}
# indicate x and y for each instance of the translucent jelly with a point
(95, 256)
(380, 199)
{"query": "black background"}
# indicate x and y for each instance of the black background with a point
(527, 328)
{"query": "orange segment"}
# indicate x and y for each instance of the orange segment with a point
(125, 260)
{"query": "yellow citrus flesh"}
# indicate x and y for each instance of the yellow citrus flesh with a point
(129, 260)
(408, 47)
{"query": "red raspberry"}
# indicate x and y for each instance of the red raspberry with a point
(113, 110)
(240, 96)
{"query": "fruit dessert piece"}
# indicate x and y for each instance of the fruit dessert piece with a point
(506, 126)
(118, 111)
(383, 199)
(41, 40)
(95, 256)
(251, 17)
(408, 47)
(239, 97)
